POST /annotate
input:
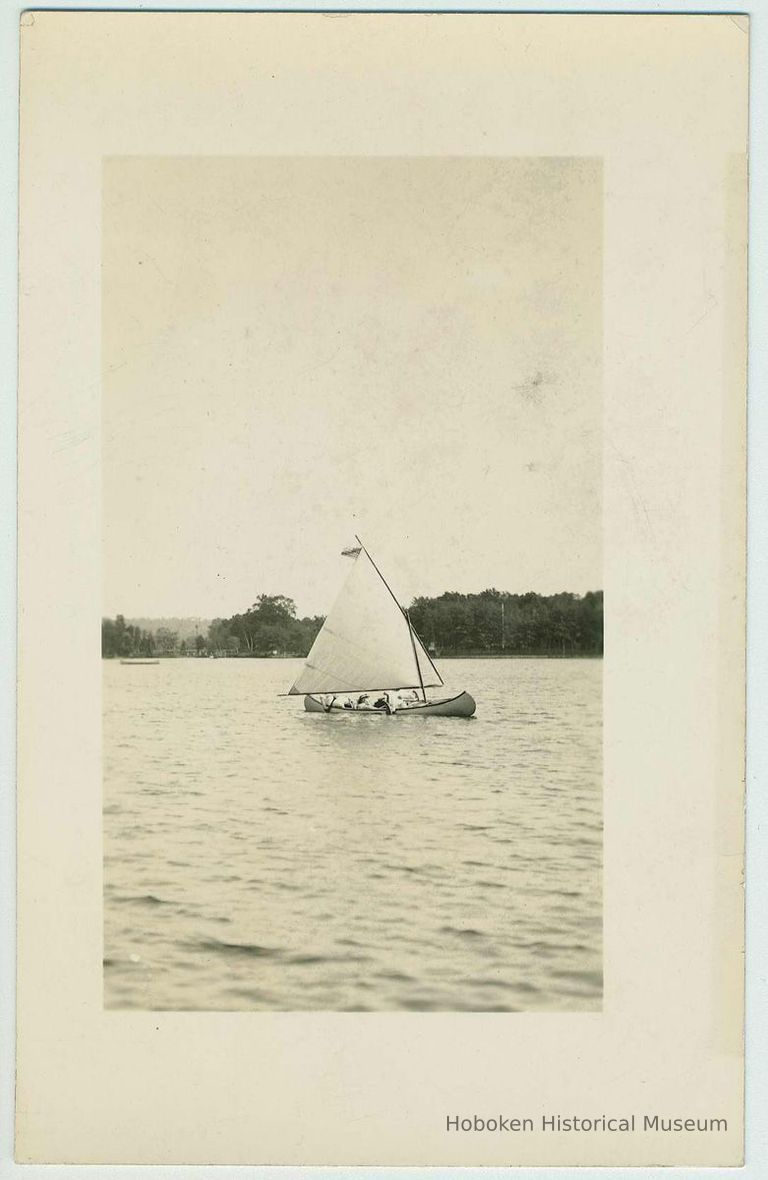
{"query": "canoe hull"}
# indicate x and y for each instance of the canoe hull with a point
(462, 705)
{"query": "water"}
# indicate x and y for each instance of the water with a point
(259, 857)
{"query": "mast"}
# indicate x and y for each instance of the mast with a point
(415, 656)
(411, 629)
(407, 619)
(426, 652)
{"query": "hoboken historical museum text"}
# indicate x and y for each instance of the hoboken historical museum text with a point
(600, 1122)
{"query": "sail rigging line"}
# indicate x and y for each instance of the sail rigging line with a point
(426, 652)
(384, 580)
(416, 657)
(411, 629)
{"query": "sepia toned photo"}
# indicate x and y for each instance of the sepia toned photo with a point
(353, 615)
(381, 589)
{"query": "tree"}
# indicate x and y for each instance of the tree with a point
(274, 609)
(269, 626)
(166, 641)
(218, 635)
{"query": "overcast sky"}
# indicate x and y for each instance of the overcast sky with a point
(298, 349)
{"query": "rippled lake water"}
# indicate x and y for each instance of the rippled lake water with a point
(259, 857)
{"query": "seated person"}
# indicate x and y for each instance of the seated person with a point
(383, 703)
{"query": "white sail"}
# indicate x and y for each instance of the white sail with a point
(366, 641)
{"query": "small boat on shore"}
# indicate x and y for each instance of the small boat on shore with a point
(139, 661)
(367, 657)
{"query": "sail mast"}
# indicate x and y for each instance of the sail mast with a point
(415, 656)
(406, 619)
(425, 649)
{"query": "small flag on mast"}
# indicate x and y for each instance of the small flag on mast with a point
(351, 552)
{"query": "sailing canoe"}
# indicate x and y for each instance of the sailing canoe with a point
(462, 705)
(368, 644)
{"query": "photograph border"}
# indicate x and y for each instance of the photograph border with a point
(757, 889)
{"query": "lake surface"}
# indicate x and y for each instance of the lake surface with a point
(260, 857)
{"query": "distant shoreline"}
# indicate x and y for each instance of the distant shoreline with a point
(507, 655)
(489, 625)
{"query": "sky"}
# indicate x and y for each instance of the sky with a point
(298, 349)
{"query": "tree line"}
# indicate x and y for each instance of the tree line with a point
(268, 628)
(119, 638)
(490, 623)
(496, 623)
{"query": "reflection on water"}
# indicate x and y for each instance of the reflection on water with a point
(259, 857)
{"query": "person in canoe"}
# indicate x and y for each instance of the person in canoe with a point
(384, 704)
